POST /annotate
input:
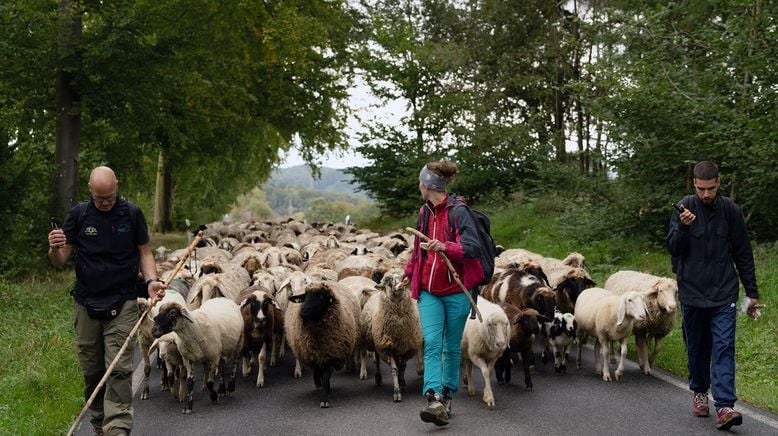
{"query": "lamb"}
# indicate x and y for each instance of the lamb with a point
(208, 334)
(659, 295)
(323, 331)
(608, 317)
(524, 328)
(391, 328)
(262, 326)
(560, 334)
(482, 344)
(167, 345)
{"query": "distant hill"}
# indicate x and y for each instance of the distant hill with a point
(332, 180)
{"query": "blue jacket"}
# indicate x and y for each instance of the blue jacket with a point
(706, 253)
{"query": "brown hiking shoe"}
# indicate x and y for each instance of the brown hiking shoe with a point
(435, 412)
(700, 404)
(726, 417)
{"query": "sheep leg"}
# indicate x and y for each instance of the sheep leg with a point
(222, 377)
(326, 373)
(544, 347)
(246, 360)
(209, 376)
(503, 367)
(273, 350)
(261, 367)
(469, 378)
(144, 395)
(317, 376)
(620, 369)
(233, 376)
(525, 358)
(170, 377)
(188, 401)
(602, 356)
(641, 343)
(282, 347)
(581, 342)
(420, 362)
(298, 368)
(657, 349)
(362, 363)
(378, 379)
(612, 351)
(486, 370)
(600, 351)
(396, 395)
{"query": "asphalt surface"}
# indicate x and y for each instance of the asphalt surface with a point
(577, 403)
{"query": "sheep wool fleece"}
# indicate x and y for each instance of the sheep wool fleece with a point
(98, 342)
(442, 325)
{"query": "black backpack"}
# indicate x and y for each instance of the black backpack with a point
(483, 228)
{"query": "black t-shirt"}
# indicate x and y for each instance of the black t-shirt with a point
(106, 243)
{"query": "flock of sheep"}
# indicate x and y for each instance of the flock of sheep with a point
(334, 294)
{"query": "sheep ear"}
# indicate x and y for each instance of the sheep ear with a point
(185, 314)
(244, 303)
(297, 298)
(622, 311)
(154, 346)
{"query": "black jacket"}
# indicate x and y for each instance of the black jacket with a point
(706, 253)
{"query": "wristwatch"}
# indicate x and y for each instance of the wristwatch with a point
(148, 282)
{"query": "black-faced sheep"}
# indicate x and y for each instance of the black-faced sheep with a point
(524, 327)
(659, 295)
(608, 317)
(323, 330)
(482, 344)
(390, 328)
(208, 334)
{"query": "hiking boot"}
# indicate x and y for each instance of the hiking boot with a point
(700, 404)
(447, 400)
(726, 417)
(435, 412)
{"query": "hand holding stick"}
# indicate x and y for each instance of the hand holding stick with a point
(424, 246)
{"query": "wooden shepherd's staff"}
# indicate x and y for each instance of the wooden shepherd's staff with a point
(424, 238)
(170, 278)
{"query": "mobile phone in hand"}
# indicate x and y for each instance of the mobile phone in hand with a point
(54, 223)
(679, 207)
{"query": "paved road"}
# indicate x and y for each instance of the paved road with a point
(578, 403)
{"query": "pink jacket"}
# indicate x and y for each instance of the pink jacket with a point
(430, 272)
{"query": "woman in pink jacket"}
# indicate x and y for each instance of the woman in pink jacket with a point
(443, 306)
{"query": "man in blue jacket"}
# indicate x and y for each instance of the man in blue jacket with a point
(711, 249)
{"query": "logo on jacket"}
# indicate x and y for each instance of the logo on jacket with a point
(124, 228)
(90, 231)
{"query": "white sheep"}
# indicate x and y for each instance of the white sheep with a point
(208, 334)
(390, 328)
(608, 317)
(659, 295)
(482, 344)
(323, 331)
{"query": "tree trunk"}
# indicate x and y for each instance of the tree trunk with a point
(558, 106)
(163, 197)
(68, 134)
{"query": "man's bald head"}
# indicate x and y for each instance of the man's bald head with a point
(103, 186)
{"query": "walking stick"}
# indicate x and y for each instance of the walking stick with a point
(424, 238)
(110, 368)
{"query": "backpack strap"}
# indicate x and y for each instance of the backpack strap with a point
(83, 206)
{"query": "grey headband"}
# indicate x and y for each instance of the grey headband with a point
(432, 180)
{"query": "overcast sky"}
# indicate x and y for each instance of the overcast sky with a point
(364, 104)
